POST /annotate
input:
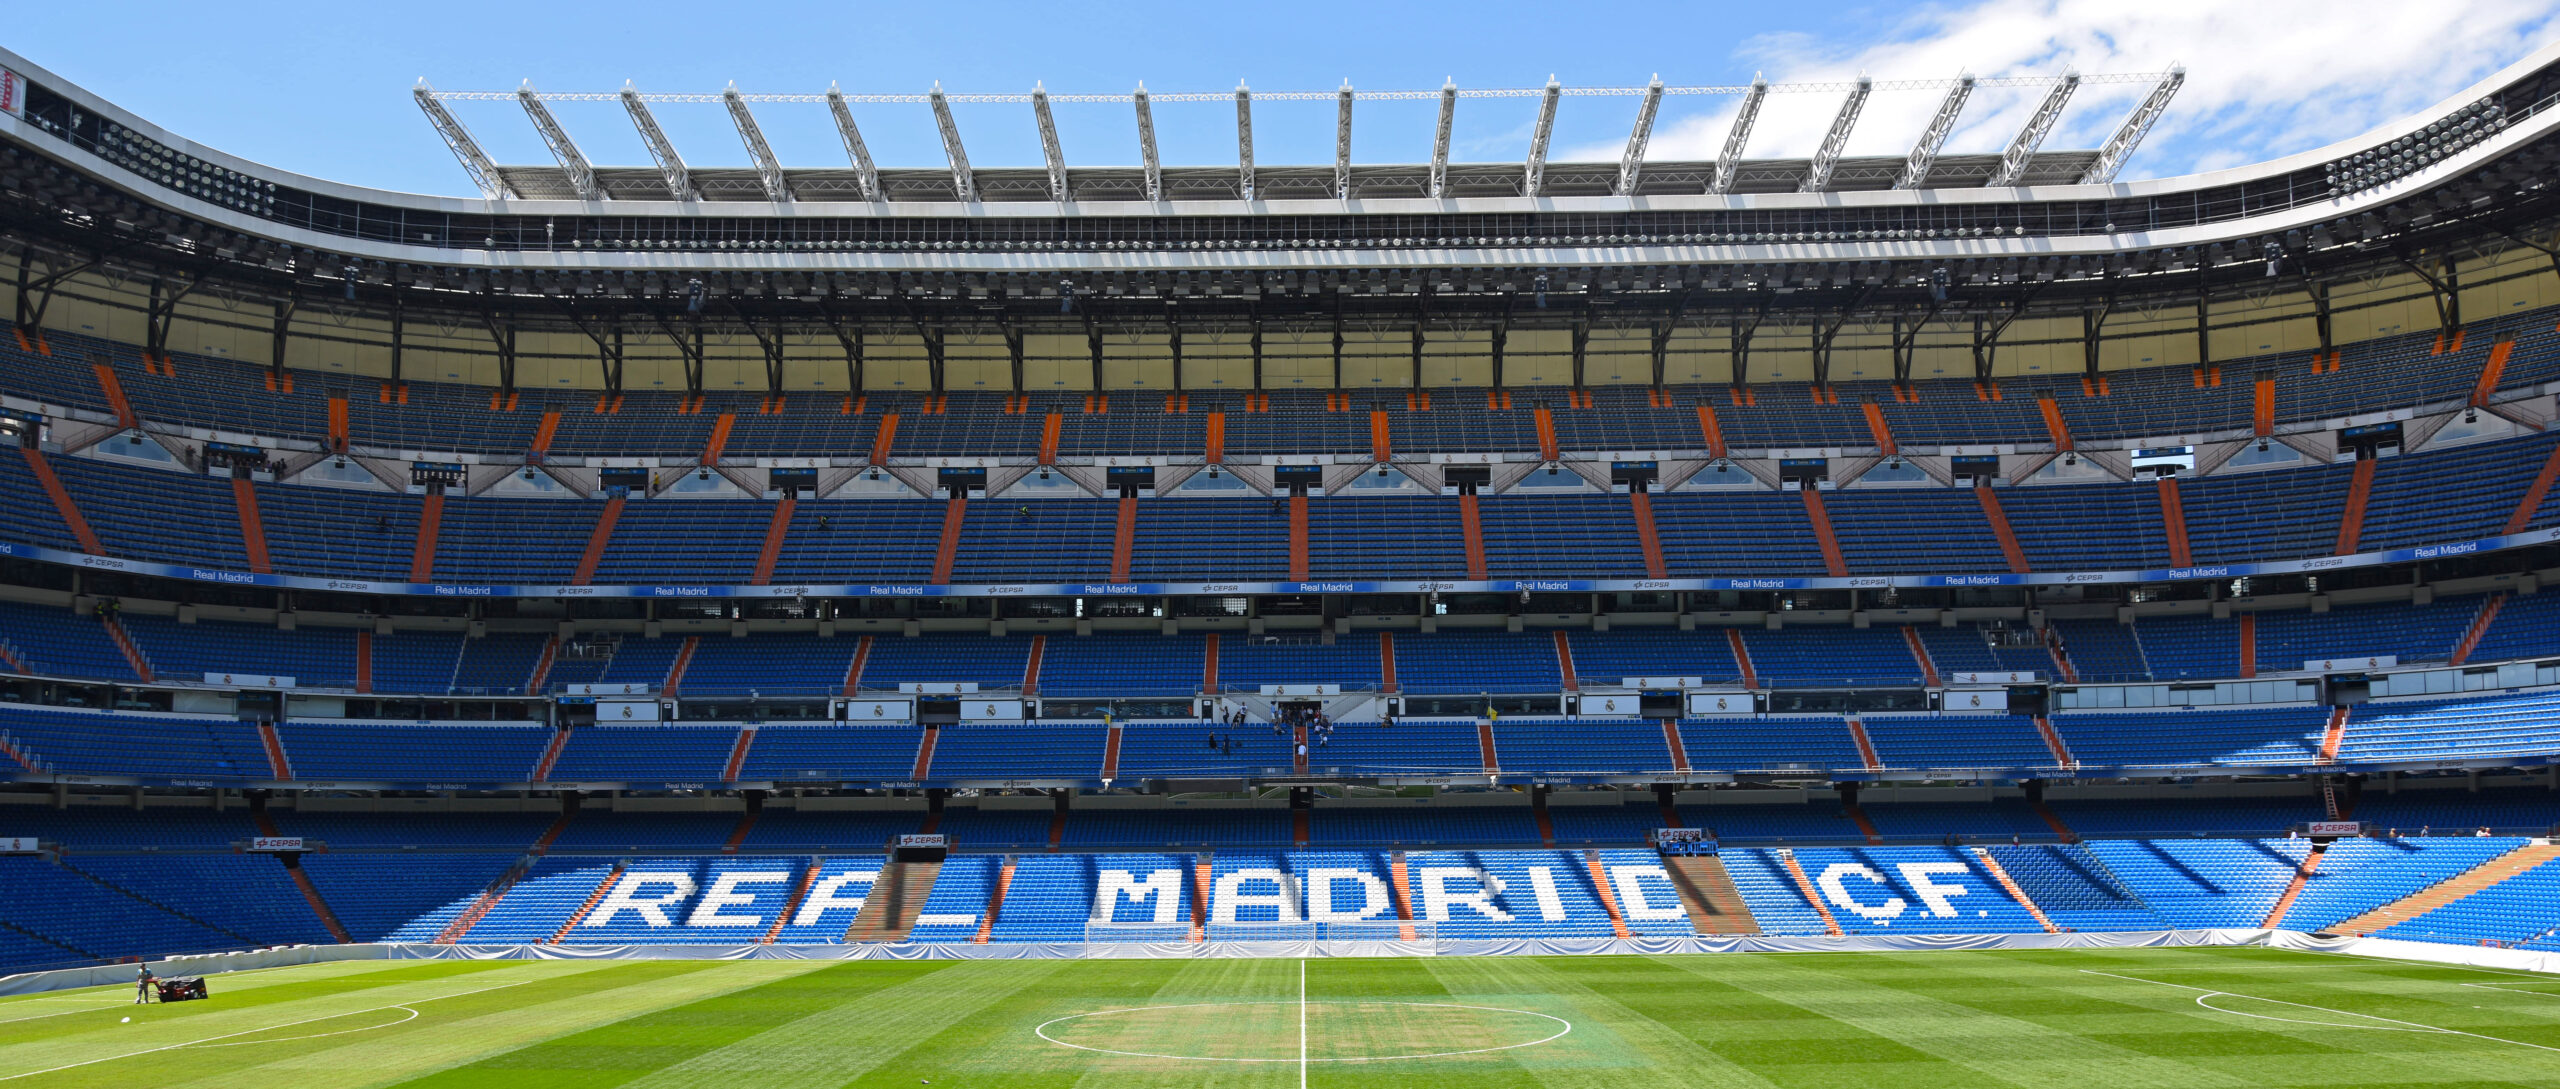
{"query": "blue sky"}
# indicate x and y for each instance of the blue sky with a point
(324, 89)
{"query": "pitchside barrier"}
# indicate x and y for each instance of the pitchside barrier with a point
(1294, 944)
(122, 975)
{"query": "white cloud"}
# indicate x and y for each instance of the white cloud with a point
(2264, 79)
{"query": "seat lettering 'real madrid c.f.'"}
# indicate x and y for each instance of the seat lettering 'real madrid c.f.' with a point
(1920, 877)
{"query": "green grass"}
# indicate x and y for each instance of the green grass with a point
(2026, 1018)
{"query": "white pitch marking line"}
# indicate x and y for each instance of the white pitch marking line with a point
(1041, 1030)
(59, 1013)
(413, 1015)
(245, 1032)
(1302, 1024)
(2413, 1026)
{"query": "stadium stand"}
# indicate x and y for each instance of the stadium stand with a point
(2207, 603)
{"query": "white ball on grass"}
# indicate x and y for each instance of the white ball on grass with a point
(126, 1021)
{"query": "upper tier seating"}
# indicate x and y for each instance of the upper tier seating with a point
(213, 392)
(329, 530)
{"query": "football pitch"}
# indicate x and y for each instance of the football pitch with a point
(2081, 1018)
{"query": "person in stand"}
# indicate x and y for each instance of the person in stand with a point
(142, 985)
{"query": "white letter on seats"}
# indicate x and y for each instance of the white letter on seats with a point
(1229, 894)
(1542, 884)
(1917, 875)
(823, 899)
(626, 897)
(1629, 881)
(1437, 899)
(1839, 895)
(1320, 883)
(1162, 891)
(724, 894)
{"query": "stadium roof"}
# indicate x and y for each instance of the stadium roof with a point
(573, 177)
(87, 188)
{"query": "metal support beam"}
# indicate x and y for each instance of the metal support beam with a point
(1534, 182)
(160, 309)
(2204, 319)
(2444, 289)
(399, 343)
(35, 295)
(2137, 125)
(1924, 152)
(504, 337)
(1244, 142)
(582, 178)
(1631, 164)
(1818, 177)
(670, 165)
(1826, 333)
(768, 168)
(962, 181)
(475, 162)
(1257, 350)
(1013, 349)
(1421, 322)
(771, 343)
(1729, 161)
(852, 339)
(2013, 162)
(1049, 146)
(1986, 337)
(1743, 327)
(854, 148)
(2093, 326)
(1342, 143)
(608, 340)
(1147, 151)
(1337, 340)
(282, 331)
(1440, 142)
(1093, 346)
(688, 342)
(933, 337)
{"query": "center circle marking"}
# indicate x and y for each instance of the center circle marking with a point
(1042, 1031)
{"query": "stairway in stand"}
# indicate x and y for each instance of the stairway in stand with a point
(2447, 891)
(895, 901)
(1706, 890)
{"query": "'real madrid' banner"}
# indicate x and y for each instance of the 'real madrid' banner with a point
(1161, 589)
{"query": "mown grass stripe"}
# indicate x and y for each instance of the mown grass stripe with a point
(907, 1007)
